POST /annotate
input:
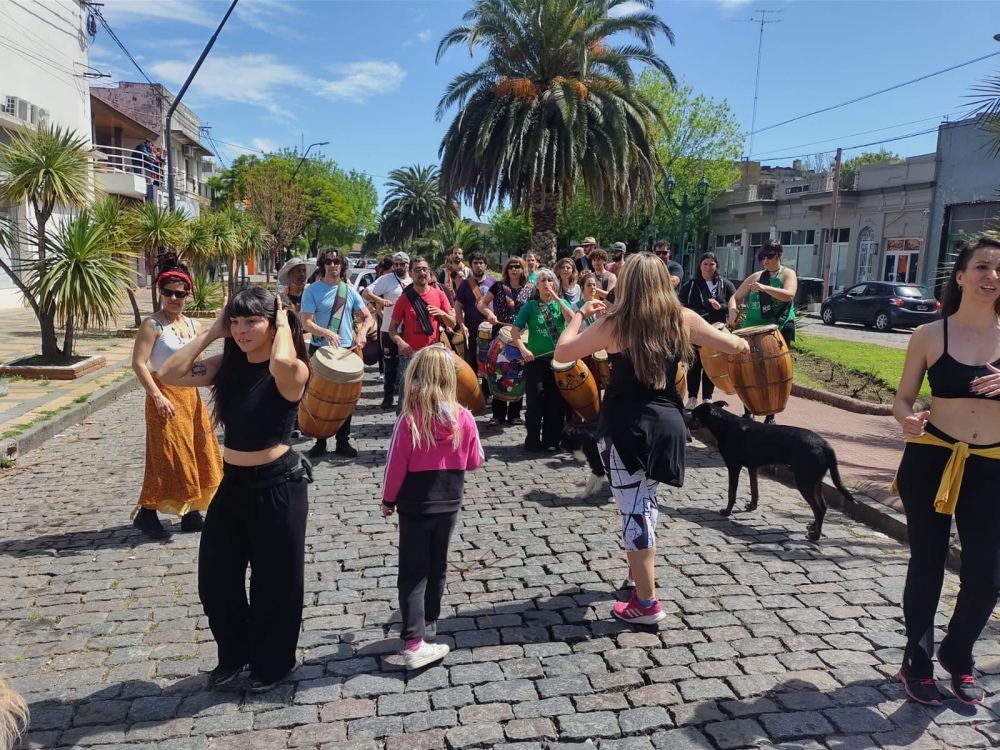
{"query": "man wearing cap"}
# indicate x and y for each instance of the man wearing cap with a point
(384, 292)
(588, 246)
(618, 251)
(292, 277)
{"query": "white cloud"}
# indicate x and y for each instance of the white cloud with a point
(264, 144)
(627, 9)
(361, 80)
(146, 11)
(268, 16)
(424, 36)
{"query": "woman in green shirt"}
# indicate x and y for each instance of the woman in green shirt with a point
(545, 317)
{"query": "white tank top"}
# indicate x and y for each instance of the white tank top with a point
(171, 339)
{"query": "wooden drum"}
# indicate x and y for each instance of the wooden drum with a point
(578, 387)
(681, 381)
(716, 365)
(602, 368)
(484, 340)
(468, 392)
(332, 392)
(505, 367)
(762, 377)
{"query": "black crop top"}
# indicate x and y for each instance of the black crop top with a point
(259, 417)
(950, 378)
(624, 383)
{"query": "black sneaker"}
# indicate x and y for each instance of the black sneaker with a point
(192, 521)
(922, 690)
(318, 450)
(965, 686)
(346, 449)
(386, 404)
(769, 419)
(149, 524)
(223, 675)
(262, 686)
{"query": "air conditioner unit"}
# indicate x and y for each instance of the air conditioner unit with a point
(188, 150)
(10, 106)
(23, 110)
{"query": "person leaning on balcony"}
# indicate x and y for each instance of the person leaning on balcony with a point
(770, 296)
(183, 460)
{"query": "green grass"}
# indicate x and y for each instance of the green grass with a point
(81, 399)
(885, 362)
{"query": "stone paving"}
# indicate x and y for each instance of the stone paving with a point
(771, 640)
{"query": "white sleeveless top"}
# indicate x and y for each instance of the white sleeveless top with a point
(171, 339)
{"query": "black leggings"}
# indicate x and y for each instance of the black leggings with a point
(423, 568)
(546, 412)
(978, 519)
(265, 528)
(697, 373)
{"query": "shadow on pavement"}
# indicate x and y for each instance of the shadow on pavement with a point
(83, 542)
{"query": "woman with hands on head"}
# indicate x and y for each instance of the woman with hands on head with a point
(951, 466)
(183, 461)
(641, 432)
(258, 515)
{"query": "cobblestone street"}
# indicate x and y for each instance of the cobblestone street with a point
(771, 640)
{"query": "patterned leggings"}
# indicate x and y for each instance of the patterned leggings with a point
(635, 496)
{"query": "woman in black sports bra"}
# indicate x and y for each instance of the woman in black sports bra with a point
(951, 465)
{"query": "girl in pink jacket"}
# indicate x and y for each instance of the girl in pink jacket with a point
(434, 442)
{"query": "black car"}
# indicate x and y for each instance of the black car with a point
(881, 305)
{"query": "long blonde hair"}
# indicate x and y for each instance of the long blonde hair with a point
(429, 396)
(648, 319)
(13, 715)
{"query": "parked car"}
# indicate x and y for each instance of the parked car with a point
(882, 305)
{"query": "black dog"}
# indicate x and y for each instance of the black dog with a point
(743, 442)
(581, 442)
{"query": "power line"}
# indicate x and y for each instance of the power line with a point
(877, 93)
(863, 145)
(107, 27)
(760, 50)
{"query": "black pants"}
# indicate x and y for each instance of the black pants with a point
(697, 373)
(423, 568)
(472, 361)
(390, 355)
(546, 412)
(344, 433)
(978, 518)
(507, 411)
(264, 528)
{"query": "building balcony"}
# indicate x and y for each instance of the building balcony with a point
(124, 172)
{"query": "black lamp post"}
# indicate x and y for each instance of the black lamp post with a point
(302, 160)
(685, 207)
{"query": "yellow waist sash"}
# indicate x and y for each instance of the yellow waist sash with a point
(951, 480)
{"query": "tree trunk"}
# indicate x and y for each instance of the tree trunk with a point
(135, 308)
(68, 340)
(47, 323)
(151, 272)
(544, 221)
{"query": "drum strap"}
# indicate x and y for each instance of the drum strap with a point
(476, 291)
(338, 308)
(420, 308)
(769, 307)
(550, 323)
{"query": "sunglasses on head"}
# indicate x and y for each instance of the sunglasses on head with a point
(174, 293)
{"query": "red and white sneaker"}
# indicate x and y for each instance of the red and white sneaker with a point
(633, 611)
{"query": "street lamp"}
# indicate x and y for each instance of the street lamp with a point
(685, 207)
(321, 143)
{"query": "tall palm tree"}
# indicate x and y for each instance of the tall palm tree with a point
(553, 102)
(156, 230)
(113, 216)
(414, 204)
(84, 276)
(988, 105)
(47, 167)
(457, 233)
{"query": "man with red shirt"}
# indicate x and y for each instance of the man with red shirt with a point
(417, 317)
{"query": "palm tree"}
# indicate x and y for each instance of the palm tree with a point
(156, 230)
(117, 221)
(456, 233)
(84, 276)
(414, 204)
(553, 102)
(250, 241)
(988, 106)
(47, 167)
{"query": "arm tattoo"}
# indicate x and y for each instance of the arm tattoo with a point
(199, 369)
(155, 324)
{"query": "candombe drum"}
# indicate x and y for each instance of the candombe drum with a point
(602, 368)
(680, 380)
(762, 377)
(578, 388)
(505, 367)
(483, 342)
(716, 365)
(468, 392)
(332, 392)
(457, 343)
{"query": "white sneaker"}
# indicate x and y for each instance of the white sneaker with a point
(691, 403)
(427, 653)
(379, 378)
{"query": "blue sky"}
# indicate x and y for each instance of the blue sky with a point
(362, 75)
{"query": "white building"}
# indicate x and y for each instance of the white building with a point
(43, 60)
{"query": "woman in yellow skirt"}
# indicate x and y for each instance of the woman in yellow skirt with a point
(183, 459)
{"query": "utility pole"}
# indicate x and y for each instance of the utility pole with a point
(763, 20)
(828, 254)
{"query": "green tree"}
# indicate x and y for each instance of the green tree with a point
(552, 104)
(698, 137)
(987, 106)
(414, 204)
(118, 223)
(84, 276)
(510, 233)
(156, 229)
(849, 167)
(578, 219)
(279, 207)
(46, 167)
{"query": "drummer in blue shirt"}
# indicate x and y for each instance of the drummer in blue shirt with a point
(334, 302)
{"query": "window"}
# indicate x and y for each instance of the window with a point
(973, 218)
(856, 291)
(727, 240)
(798, 189)
(876, 290)
(914, 292)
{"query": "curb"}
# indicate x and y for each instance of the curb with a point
(34, 436)
(868, 511)
(841, 402)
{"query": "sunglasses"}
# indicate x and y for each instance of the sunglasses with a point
(174, 293)
(767, 255)
(662, 253)
(514, 267)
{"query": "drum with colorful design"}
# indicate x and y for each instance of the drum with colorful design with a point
(505, 367)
